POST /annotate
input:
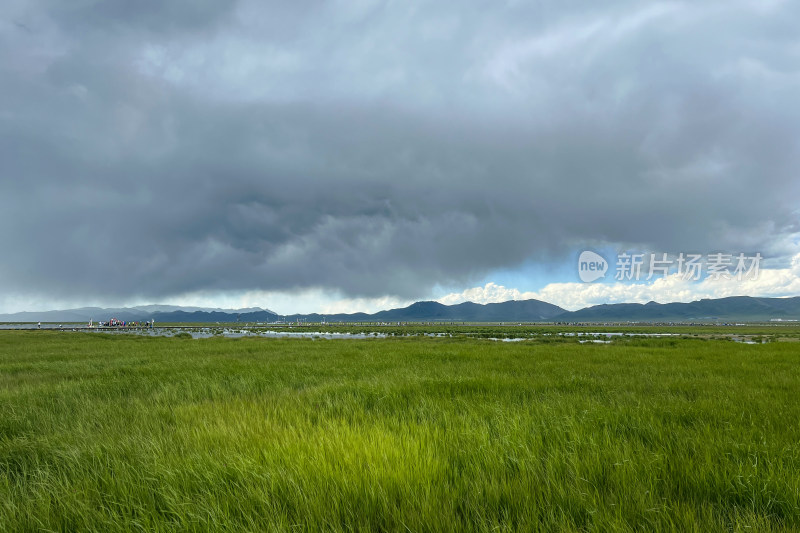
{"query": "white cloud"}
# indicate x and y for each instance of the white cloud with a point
(490, 293)
(572, 296)
(291, 302)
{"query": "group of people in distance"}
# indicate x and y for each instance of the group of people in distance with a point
(114, 322)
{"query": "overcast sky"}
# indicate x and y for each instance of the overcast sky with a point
(352, 155)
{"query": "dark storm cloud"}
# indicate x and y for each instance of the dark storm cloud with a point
(149, 15)
(153, 149)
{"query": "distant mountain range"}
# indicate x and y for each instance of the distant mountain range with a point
(745, 308)
(519, 310)
(138, 313)
(742, 308)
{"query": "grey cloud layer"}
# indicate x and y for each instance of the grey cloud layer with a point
(381, 148)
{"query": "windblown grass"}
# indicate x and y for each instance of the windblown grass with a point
(125, 433)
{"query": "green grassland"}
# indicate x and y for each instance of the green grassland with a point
(133, 433)
(774, 331)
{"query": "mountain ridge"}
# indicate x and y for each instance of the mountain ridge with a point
(729, 307)
(140, 313)
(746, 308)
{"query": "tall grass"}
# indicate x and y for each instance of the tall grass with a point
(125, 433)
